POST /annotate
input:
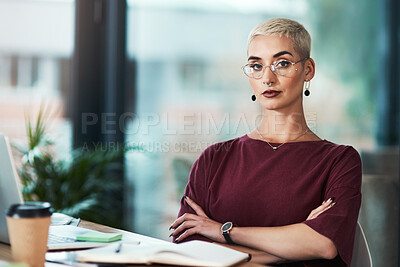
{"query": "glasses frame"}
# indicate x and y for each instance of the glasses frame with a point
(272, 67)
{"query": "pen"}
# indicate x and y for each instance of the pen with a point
(118, 249)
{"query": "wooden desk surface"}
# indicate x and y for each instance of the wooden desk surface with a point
(5, 250)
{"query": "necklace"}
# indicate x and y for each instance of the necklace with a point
(276, 147)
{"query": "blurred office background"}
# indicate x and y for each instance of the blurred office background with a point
(166, 76)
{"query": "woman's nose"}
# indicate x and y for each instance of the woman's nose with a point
(268, 75)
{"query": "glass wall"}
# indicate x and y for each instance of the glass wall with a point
(191, 91)
(36, 46)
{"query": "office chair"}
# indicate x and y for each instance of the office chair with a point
(361, 255)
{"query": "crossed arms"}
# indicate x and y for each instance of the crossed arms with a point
(295, 242)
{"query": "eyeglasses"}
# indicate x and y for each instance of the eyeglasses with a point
(281, 67)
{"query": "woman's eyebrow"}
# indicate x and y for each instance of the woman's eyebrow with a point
(282, 53)
(275, 56)
(254, 58)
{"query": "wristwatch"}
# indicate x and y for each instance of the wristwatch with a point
(225, 228)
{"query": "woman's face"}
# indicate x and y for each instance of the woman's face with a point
(284, 92)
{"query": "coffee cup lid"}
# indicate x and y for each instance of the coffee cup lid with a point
(30, 210)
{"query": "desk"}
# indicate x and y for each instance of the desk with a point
(5, 250)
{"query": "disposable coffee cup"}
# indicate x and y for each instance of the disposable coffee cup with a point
(28, 228)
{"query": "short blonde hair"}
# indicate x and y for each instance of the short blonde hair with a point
(291, 29)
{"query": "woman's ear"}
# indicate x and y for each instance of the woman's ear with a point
(309, 69)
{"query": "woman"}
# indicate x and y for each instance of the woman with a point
(261, 187)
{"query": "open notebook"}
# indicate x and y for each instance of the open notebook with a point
(192, 253)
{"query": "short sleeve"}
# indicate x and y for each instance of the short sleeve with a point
(197, 189)
(344, 186)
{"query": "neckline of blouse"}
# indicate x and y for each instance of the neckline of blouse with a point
(246, 136)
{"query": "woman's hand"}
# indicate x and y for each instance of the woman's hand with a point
(199, 223)
(326, 205)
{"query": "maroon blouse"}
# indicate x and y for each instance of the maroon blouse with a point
(245, 181)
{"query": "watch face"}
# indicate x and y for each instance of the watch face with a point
(226, 227)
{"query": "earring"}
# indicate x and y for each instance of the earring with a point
(253, 97)
(307, 86)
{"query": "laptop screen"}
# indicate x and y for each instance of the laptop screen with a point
(10, 192)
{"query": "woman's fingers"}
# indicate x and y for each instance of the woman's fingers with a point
(184, 217)
(199, 223)
(322, 211)
(322, 208)
(199, 211)
(188, 216)
(203, 226)
(185, 234)
(314, 211)
(182, 227)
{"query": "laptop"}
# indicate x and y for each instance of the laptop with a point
(60, 236)
(9, 188)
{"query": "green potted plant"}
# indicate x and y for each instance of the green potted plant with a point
(76, 185)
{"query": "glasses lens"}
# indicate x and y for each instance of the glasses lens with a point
(253, 70)
(248, 71)
(283, 67)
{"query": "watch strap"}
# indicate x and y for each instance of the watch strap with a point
(228, 238)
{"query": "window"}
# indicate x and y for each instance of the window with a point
(35, 54)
